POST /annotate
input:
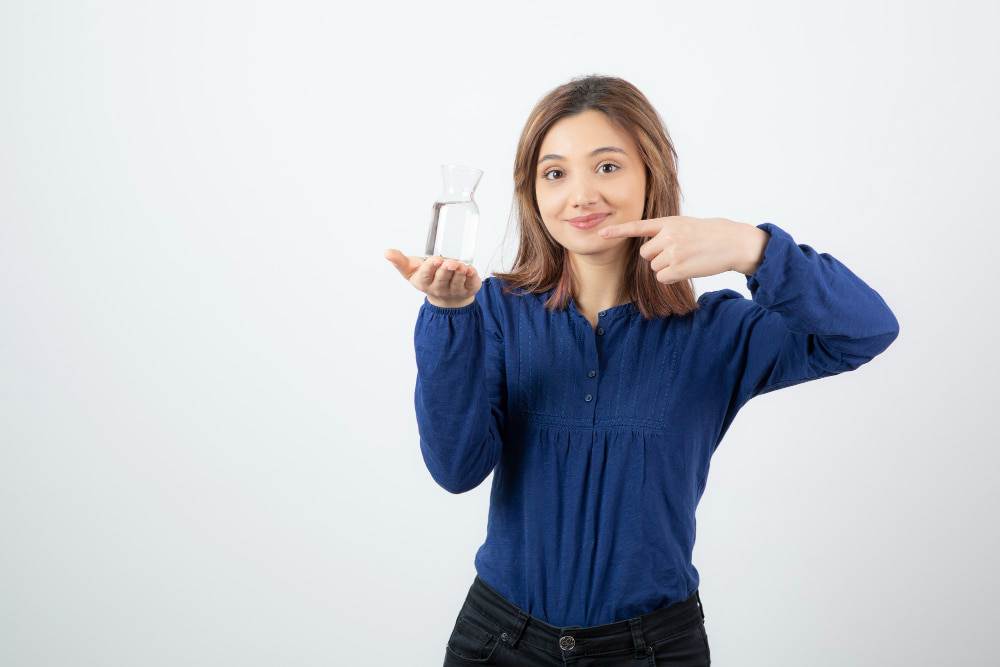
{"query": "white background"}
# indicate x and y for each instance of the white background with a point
(208, 451)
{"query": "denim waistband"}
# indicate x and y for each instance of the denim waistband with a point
(570, 641)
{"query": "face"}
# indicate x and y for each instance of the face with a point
(586, 166)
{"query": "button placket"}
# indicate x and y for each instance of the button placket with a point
(592, 373)
(590, 397)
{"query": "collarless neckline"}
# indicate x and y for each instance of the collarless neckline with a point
(626, 308)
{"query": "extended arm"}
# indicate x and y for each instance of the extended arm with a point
(460, 394)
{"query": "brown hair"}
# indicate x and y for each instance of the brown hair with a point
(541, 263)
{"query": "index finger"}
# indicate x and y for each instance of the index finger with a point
(634, 228)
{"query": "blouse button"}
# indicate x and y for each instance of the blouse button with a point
(591, 374)
(588, 398)
(602, 313)
(600, 331)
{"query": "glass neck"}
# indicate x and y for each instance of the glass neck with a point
(460, 182)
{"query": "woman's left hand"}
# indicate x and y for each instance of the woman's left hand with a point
(683, 247)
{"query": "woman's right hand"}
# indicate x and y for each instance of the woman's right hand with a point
(447, 283)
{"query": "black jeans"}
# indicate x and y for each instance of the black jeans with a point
(490, 630)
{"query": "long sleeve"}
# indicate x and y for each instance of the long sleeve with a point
(810, 317)
(460, 394)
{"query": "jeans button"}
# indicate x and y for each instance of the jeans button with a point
(503, 636)
(567, 643)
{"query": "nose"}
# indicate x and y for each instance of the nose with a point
(584, 192)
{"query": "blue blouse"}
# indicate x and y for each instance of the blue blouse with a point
(599, 440)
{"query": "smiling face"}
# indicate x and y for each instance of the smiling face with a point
(587, 166)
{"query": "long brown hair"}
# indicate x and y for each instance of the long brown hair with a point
(541, 263)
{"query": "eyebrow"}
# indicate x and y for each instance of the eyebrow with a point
(596, 151)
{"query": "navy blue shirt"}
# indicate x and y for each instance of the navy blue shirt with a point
(599, 440)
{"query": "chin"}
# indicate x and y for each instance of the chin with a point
(594, 246)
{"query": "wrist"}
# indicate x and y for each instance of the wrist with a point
(751, 244)
(449, 303)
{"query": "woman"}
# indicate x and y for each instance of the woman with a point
(596, 387)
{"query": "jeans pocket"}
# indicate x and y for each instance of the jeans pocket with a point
(688, 646)
(474, 641)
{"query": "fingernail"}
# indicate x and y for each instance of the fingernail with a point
(603, 232)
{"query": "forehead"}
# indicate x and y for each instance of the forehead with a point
(575, 136)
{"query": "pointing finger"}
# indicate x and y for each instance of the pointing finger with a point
(634, 228)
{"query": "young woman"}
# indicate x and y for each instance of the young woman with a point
(596, 387)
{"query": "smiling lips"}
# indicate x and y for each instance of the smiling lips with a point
(588, 221)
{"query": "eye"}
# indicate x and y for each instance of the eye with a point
(602, 166)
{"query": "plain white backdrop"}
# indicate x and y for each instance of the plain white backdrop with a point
(208, 451)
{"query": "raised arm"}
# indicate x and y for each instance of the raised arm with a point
(810, 317)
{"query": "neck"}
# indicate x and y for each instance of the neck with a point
(597, 282)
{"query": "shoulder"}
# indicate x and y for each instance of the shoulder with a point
(508, 304)
(496, 303)
(492, 283)
(499, 286)
(497, 292)
(491, 294)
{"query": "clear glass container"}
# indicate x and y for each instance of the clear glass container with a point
(455, 217)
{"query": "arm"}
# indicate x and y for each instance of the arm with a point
(460, 394)
(810, 317)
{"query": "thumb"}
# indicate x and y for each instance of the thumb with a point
(405, 265)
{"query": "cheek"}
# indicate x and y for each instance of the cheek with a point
(546, 202)
(549, 209)
(630, 195)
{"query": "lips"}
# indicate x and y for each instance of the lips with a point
(588, 221)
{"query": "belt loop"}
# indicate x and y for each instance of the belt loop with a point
(640, 646)
(697, 597)
(515, 633)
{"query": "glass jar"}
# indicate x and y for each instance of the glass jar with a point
(455, 216)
